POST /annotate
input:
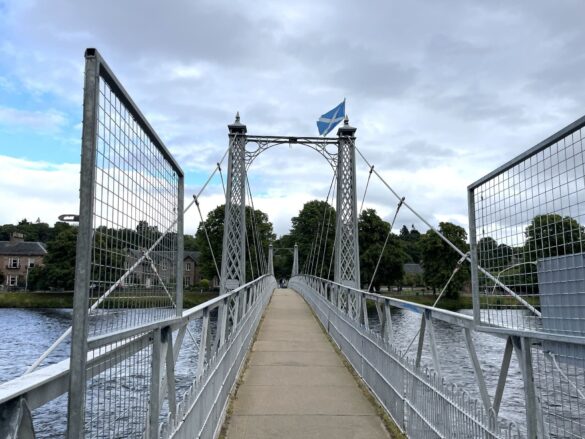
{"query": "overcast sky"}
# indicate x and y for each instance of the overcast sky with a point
(441, 92)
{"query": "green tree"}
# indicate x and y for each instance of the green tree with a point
(190, 243)
(315, 223)
(256, 221)
(283, 256)
(439, 259)
(410, 242)
(58, 270)
(553, 235)
(373, 231)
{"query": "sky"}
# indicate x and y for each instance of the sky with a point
(441, 92)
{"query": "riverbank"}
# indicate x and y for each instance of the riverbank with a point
(65, 300)
(462, 302)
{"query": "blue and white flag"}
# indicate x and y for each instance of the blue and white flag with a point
(329, 120)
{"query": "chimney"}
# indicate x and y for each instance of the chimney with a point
(16, 237)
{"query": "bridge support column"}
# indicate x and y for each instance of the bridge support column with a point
(233, 259)
(271, 260)
(347, 263)
(295, 267)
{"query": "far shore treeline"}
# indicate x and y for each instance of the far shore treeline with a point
(316, 222)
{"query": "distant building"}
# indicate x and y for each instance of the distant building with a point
(191, 270)
(160, 266)
(17, 256)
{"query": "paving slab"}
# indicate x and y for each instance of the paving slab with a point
(296, 385)
(306, 427)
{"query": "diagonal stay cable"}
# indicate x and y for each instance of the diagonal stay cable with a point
(221, 176)
(366, 189)
(123, 278)
(448, 242)
(207, 236)
(327, 235)
(385, 244)
(325, 209)
(255, 234)
(455, 270)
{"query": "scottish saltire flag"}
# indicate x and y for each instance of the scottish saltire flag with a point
(329, 120)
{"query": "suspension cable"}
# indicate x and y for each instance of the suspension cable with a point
(128, 272)
(327, 233)
(256, 232)
(448, 242)
(366, 189)
(385, 243)
(202, 223)
(221, 176)
(455, 270)
(316, 264)
(249, 254)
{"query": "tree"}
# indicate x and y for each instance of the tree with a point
(373, 231)
(256, 221)
(410, 240)
(58, 270)
(314, 225)
(439, 259)
(553, 235)
(283, 256)
(493, 257)
(190, 243)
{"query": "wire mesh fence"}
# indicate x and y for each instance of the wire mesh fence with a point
(129, 263)
(526, 226)
(134, 253)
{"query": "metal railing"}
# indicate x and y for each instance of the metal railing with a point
(222, 329)
(419, 397)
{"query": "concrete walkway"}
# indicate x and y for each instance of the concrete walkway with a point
(296, 385)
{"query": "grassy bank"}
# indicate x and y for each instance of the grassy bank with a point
(36, 300)
(463, 302)
(65, 300)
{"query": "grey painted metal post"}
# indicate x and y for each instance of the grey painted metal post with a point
(180, 246)
(295, 267)
(271, 260)
(503, 375)
(233, 259)
(347, 264)
(387, 322)
(155, 382)
(77, 375)
(524, 354)
(203, 343)
(473, 251)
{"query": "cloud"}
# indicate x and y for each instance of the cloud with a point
(32, 189)
(441, 93)
(49, 122)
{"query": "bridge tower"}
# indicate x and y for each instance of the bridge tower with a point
(347, 263)
(295, 269)
(233, 259)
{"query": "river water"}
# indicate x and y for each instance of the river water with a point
(26, 333)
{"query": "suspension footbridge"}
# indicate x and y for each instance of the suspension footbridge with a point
(325, 357)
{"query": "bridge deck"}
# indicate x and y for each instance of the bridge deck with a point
(296, 386)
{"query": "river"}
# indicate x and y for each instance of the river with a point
(26, 333)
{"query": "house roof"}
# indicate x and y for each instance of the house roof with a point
(192, 255)
(22, 248)
(413, 268)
